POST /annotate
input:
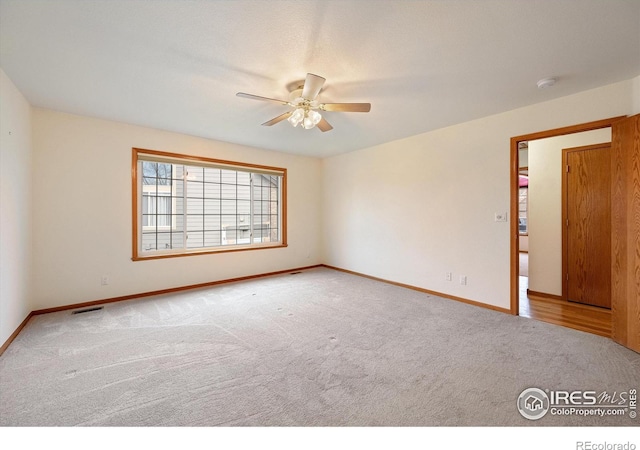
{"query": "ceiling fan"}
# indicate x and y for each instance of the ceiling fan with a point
(303, 100)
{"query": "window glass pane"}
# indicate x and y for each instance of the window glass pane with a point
(212, 190)
(164, 220)
(195, 205)
(177, 239)
(178, 222)
(195, 222)
(148, 220)
(244, 207)
(213, 206)
(244, 178)
(228, 222)
(194, 173)
(229, 206)
(243, 223)
(243, 235)
(263, 180)
(229, 230)
(257, 193)
(211, 175)
(156, 173)
(164, 241)
(212, 222)
(195, 189)
(244, 192)
(164, 174)
(163, 204)
(177, 205)
(195, 240)
(149, 169)
(145, 203)
(228, 191)
(212, 238)
(149, 241)
(258, 220)
(228, 176)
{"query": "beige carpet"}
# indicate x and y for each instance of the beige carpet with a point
(317, 348)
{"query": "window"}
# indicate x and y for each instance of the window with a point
(187, 205)
(523, 201)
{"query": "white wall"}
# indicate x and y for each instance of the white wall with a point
(545, 206)
(413, 209)
(82, 212)
(15, 207)
(636, 95)
(523, 157)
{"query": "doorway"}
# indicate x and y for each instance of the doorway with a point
(549, 308)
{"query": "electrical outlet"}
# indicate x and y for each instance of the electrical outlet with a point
(104, 280)
(500, 217)
(463, 280)
(449, 276)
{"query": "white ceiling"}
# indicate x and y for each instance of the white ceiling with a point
(177, 65)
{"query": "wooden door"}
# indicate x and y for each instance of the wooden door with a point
(625, 232)
(587, 220)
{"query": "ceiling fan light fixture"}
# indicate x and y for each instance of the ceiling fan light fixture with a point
(308, 118)
(296, 117)
(307, 123)
(315, 116)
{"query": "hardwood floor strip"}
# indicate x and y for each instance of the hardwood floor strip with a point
(571, 315)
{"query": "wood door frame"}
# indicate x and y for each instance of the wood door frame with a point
(565, 210)
(513, 229)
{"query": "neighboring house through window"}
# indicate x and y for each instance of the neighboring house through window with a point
(191, 205)
(523, 204)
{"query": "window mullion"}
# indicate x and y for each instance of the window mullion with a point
(251, 209)
(204, 228)
(184, 208)
(155, 210)
(170, 211)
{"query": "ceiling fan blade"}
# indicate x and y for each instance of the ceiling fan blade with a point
(264, 99)
(324, 125)
(346, 107)
(275, 120)
(312, 85)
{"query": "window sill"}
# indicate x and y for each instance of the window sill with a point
(144, 257)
